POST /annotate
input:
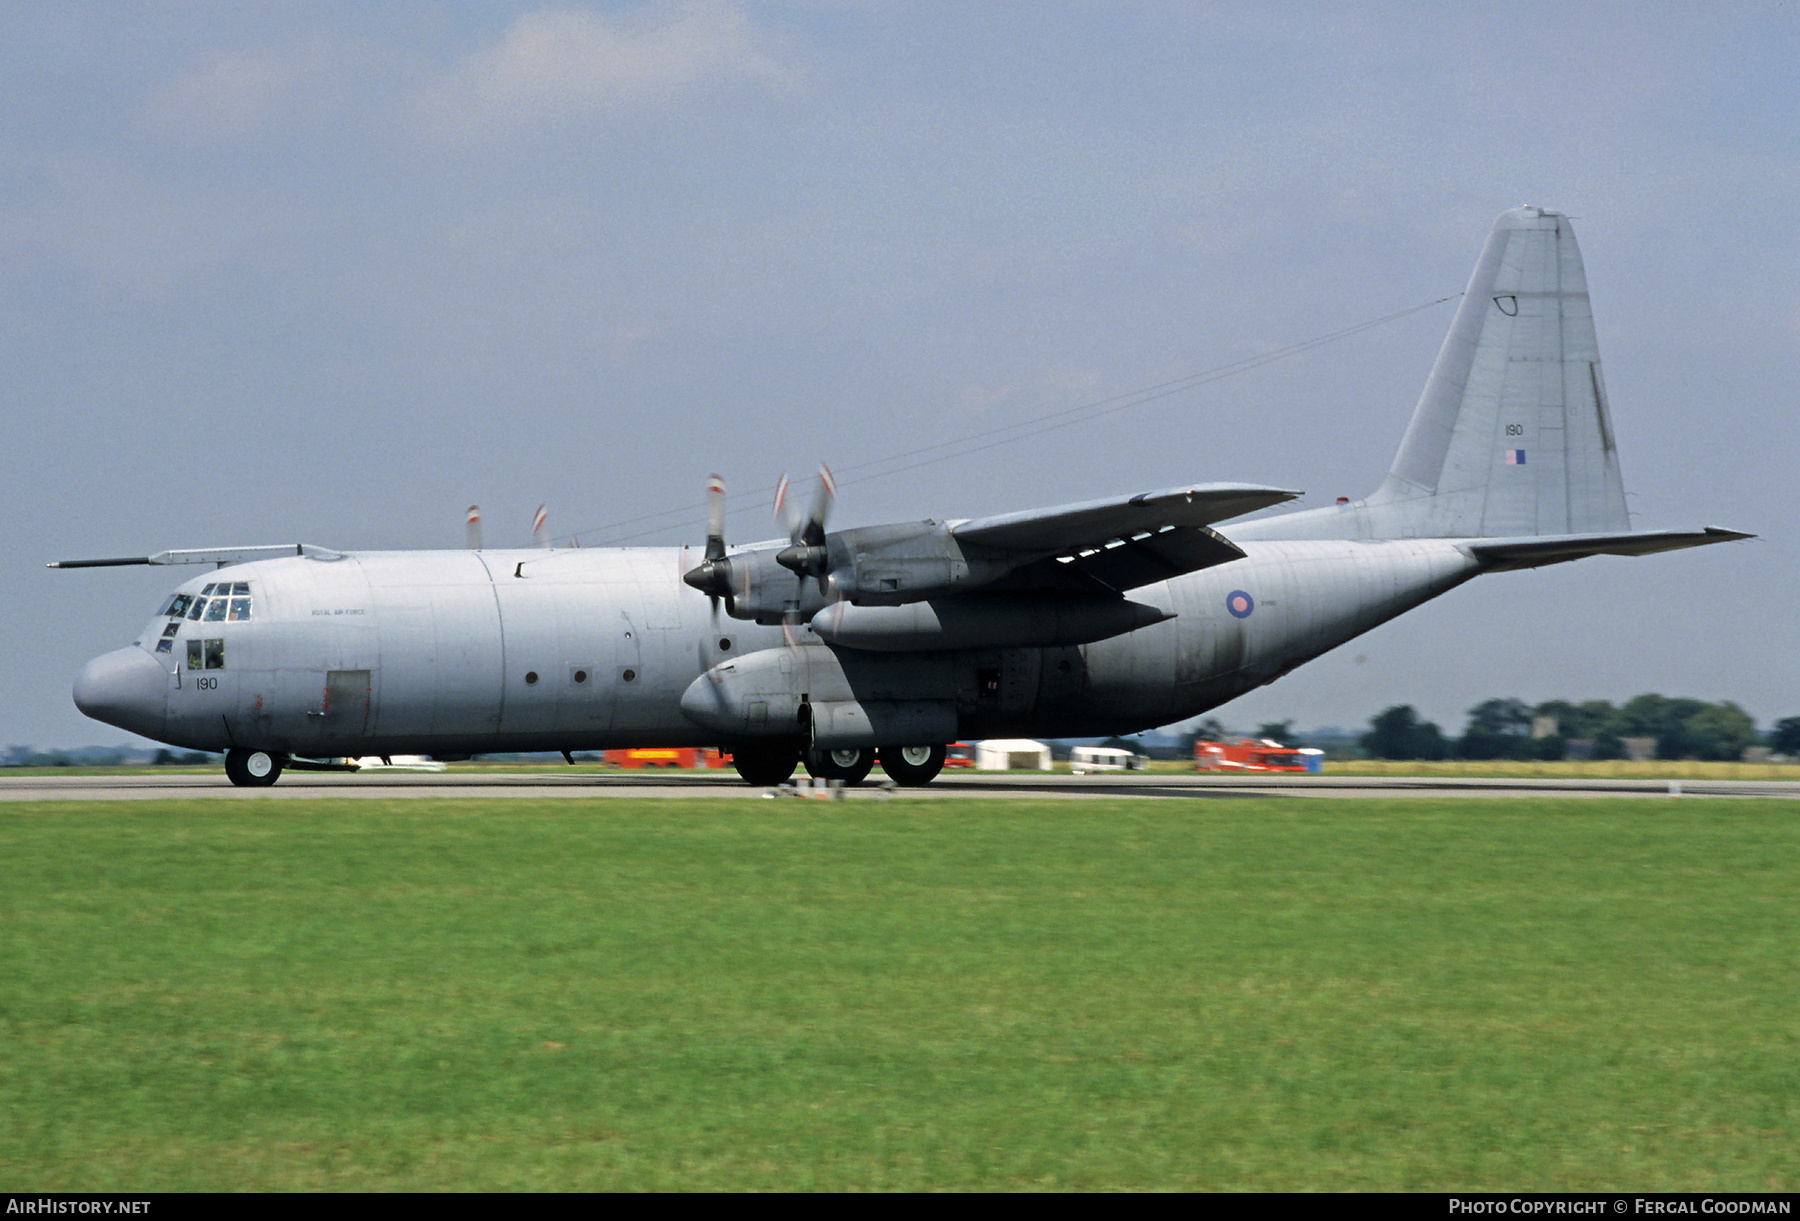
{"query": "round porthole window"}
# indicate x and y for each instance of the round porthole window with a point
(581, 676)
(531, 678)
(629, 675)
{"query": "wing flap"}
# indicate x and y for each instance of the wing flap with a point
(1129, 563)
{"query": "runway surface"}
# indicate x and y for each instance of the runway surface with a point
(584, 783)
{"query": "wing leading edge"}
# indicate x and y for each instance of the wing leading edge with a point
(1094, 523)
(1122, 543)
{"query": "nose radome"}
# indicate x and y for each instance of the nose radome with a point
(127, 688)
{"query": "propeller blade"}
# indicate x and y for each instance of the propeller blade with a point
(808, 556)
(814, 532)
(712, 576)
(474, 524)
(779, 511)
(540, 536)
(715, 518)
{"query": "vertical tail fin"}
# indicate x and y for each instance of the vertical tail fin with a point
(1512, 435)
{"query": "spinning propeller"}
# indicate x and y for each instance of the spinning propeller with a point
(540, 533)
(807, 557)
(712, 576)
(748, 582)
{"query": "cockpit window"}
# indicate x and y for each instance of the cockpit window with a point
(218, 602)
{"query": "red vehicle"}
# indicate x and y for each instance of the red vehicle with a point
(1247, 755)
(673, 756)
(959, 754)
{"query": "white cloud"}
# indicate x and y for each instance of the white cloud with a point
(558, 64)
(238, 92)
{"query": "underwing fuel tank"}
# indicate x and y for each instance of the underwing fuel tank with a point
(837, 702)
(980, 622)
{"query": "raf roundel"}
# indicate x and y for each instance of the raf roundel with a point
(1240, 604)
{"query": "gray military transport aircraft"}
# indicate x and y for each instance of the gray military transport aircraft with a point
(841, 649)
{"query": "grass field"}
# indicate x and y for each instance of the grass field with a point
(1134, 994)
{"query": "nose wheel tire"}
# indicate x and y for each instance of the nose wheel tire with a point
(850, 766)
(913, 765)
(252, 768)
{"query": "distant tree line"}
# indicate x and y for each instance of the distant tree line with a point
(1680, 728)
(25, 756)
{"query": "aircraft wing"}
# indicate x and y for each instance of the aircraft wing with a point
(1535, 551)
(1094, 523)
(1122, 543)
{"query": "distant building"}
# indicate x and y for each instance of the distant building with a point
(1012, 755)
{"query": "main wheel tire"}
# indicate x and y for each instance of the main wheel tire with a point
(913, 765)
(252, 768)
(850, 766)
(765, 764)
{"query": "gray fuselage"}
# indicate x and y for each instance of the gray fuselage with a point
(473, 652)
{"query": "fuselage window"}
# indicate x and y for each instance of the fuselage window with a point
(194, 655)
(178, 605)
(165, 646)
(215, 610)
(215, 654)
(241, 589)
(197, 609)
(170, 630)
(240, 609)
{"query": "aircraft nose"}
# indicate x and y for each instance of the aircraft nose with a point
(127, 688)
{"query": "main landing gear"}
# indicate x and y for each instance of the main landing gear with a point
(252, 768)
(913, 765)
(850, 766)
(765, 764)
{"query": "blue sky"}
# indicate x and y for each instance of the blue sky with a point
(333, 272)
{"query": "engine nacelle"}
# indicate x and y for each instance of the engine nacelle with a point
(979, 621)
(812, 692)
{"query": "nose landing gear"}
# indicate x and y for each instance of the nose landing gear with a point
(252, 768)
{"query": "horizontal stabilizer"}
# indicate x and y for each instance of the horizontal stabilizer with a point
(1096, 522)
(1536, 551)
